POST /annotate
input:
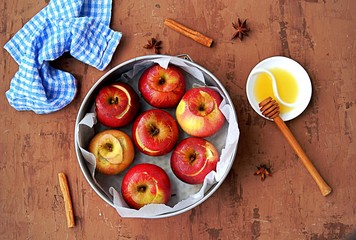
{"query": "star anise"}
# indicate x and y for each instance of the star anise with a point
(153, 44)
(241, 29)
(264, 171)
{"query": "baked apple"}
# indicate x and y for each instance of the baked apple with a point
(144, 184)
(162, 88)
(155, 132)
(113, 150)
(198, 112)
(193, 159)
(116, 105)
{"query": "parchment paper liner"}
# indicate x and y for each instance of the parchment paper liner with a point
(183, 195)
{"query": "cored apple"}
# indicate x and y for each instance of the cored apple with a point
(193, 159)
(155, 132)
(116, 105)
(162, 88)
(113, 150)
(144, 184)
(198, 112)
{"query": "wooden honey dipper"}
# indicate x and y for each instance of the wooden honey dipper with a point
(270, 109)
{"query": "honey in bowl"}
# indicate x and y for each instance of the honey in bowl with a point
(287, 87)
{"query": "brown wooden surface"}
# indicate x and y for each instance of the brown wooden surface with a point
(319, 34)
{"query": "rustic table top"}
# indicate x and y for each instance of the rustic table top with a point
(319, 34)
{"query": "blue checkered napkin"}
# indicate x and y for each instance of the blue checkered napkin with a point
(80, 27)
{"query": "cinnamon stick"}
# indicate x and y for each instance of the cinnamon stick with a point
(196, 36)
(63, 183)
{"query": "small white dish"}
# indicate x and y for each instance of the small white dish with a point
(295, 69)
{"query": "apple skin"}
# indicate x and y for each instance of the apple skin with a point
(198, 112)
(155, 132)
(105, 142)
(193, 159)
(116, 105)
(162, 88)
(144, 184)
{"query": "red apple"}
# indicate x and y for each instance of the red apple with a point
(113, 150)
(198, 112)
(162, 88)
(193, 159)
(155, 132)
(144, 184)
(116, 105)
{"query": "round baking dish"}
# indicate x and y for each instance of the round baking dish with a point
(114, 74)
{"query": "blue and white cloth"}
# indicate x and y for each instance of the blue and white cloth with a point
(80, 27)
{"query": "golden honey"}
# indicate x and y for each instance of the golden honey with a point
(287, 86)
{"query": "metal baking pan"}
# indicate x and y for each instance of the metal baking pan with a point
(116, 73)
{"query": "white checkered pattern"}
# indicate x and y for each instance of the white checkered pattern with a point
(80, 27)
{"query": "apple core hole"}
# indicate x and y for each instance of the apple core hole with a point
(141, 188)
(201, 107)
(192, 158)
(161, 81)
(114, 100)
(154, 130)
(108, 146)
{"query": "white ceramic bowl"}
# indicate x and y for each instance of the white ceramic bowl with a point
(302, 77)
